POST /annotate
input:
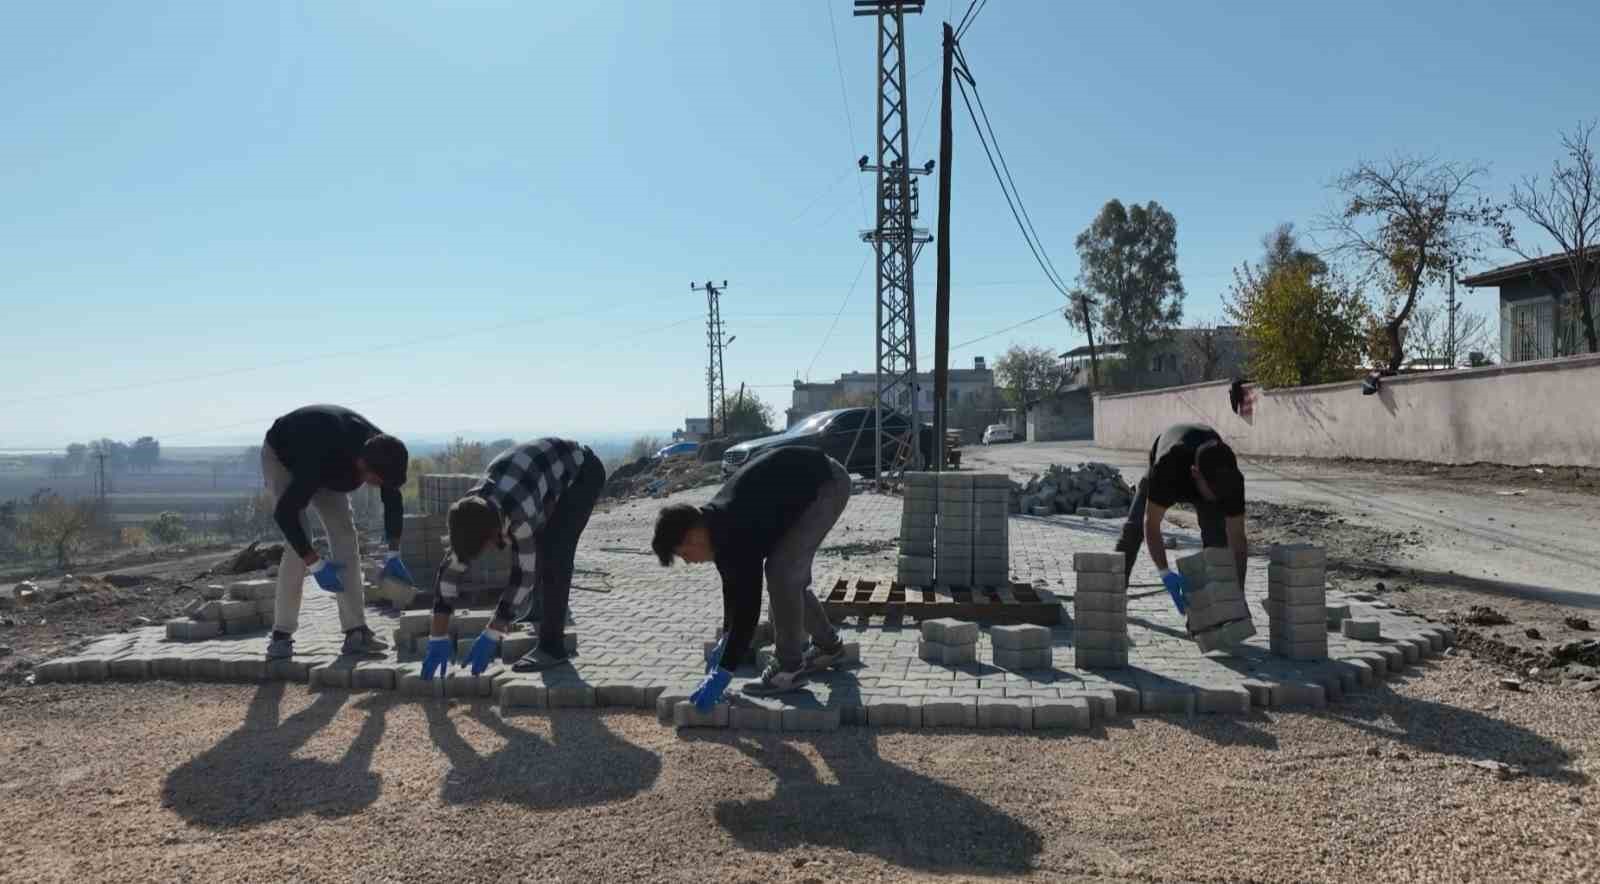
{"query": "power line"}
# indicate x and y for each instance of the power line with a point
(970, 17)
(840, 312)
(844, 98)
(1053, 311)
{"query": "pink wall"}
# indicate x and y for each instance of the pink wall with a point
(1545, 412)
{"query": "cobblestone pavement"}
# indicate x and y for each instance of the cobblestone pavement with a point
(640, 630)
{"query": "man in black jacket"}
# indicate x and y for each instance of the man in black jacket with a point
(315, 456)
(769, 517)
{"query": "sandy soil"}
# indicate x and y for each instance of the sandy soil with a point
(163, 782)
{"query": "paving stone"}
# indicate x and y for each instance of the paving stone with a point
(1279, 612)
(212, 591)
(1167, 698)
(413, 685)
(1314, 630)
(246, 669)
(1231, 698)
(1096, 581)
(272, 670)
(1410, 649)
(1297, 595)
(169, 666)
(369, 676)
(1378, 661)
(685, 715)
(1005, 712)
(949, 631)
(1020, 637)
(1102, 621)
(624, 695)
(903, 712)
(130, 666)
(416, 623)
(946, 655)
(571, 696)
(192, 630)
(1361, 669)
(1102, 703)
(1336, 613)
(1094, 658)
(1034, 658)
(811, 719)
(1107, 602)
(331, 675)
(950, 712)
(1292, 692)
(1298, 555)
(202, 669)
(1067, 713)
(1260, 691)
(745, 713)
(1307, 650)
(1099, 639)
(237, 610)
(1362, 629)
(242, 625)
(1293, 577)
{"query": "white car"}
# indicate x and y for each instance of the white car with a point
(997, 433)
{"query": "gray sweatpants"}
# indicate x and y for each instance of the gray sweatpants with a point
(339, 520)
(796, 613)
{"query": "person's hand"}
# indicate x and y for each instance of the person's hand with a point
(714, 656)
(1176, 587)
(394, 567)
(440, 649)
(484, 649)
(710, 690)
(326, 574)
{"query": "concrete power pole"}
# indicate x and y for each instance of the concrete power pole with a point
(895, 242)
(716, 394)
(941, 297)
(101, 488)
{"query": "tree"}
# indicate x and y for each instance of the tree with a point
(1128, 260)
(1027, 374)
(77, 457)
(145, 453)
(1303, 322)
(168, 527)
(1408, 222)
(1567, 208)
(644, 446)
(745, 414)
(58, 525)
(1080, 312)
(1202, 353)
(494, 448)
(461, 456)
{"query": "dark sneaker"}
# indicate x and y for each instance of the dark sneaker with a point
(361, 641)
(280, 648)
(820, 657)
(775, 681)
(538, 660)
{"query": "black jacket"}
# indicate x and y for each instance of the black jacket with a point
(319, 445)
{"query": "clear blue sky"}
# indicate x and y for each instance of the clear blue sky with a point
(484, 216)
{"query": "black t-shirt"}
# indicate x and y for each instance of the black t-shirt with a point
(1169, 481)
(319, 445)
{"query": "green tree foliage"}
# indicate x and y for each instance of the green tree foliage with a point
(746, 414)
(1304, 323)
(645, 446)
(168, 528)
(58, 525)
(1027, 374)
(1128, 259)
(461, 456)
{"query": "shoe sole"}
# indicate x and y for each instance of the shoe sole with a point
(537, 666)
(824, 663)
(757, 689)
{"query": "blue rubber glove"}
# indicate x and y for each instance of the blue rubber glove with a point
(327, 575)
(1176, 587)
(393, 567)
(484, 649)
(441, 648)
(714, 656)
(710, 690)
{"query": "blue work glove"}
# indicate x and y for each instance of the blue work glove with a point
(327, 575)
(440, 649)
(710, 690)
(1176, 587)
(714, 656)
(393, 567)
(484, 649)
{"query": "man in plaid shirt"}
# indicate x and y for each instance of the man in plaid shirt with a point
(538, 497)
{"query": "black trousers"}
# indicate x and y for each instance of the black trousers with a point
(1213, 529)
(556, 550)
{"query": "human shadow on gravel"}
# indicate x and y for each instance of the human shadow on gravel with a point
(877, 808)
(581, 763)
(253, 776)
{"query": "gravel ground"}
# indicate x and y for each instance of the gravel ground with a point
(165, 782)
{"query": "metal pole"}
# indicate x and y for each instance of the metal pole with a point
(941, 306)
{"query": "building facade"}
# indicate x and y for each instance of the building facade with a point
(970, 388)
(1539, 310)
(1189, 356)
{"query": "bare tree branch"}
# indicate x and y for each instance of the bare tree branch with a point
(1567, 209)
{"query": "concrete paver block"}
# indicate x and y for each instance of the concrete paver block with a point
(1066, 713)
(570, 696)
(1298, 555)
(1412, 648)
(1336, 613)
(946, 655)
(903, 712)
(416, 622)
(809, 719)
(1290, 692)
(278, 670)
(685, 715)
(1098, 581)
(749, 714)
(1102, 703)
(1028, 658)
(1005, 712)
(1222, 698)
(523, 694)
(212, 591)
(1100, 658)
(1316, 630)
(237, 610)
(243, 625)
(950, 631)
(369, 676)
(330, 675)
(169, 666)
(1297, 595)
(619, 695)
(1306, 650)
(1287, 576)
(1361, 669)
(1167, 698)
(1095, 638)
(1299, 615)
(130, 666)
(950, 712)
(1260, 692)
(1109, 602)
(1362, 629)
(413, 685)
(1217, 557)
(1019, 637)
(246, 669)
(1379, 663)
(1102, 621)
(193, 630)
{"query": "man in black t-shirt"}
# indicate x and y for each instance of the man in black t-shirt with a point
(1189, 463)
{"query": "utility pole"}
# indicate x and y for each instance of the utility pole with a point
(895, 242)
(101, 489)
(716, 395)
(941, 303)
(1450, 320)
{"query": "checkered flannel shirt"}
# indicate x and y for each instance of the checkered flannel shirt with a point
(524, 482)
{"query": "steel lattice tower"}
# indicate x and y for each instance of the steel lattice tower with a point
(716, 392)
(895, 241)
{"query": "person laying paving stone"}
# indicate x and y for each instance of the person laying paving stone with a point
(1189, 463)
(772, 515)
(538, 497)
(315, 456)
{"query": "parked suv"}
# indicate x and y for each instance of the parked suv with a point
(846, 434)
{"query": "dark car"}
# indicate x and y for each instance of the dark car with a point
(846, 434)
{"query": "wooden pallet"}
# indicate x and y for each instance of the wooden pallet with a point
(1009, 603)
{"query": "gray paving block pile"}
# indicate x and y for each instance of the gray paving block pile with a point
(954, 530)
(641, 644)
(1218, 616)
(1297, 604)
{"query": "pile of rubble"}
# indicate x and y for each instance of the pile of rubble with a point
(1092, 489)
(659, 477)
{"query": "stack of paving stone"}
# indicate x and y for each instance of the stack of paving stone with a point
(1218, 616)
(1024, 646)
(412, 633)
(954, 530)
(424, 539)
(1297, 612)
(241, 607)
(439, 490)
(948, 642)
(1100, 611)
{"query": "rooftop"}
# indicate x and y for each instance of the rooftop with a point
(1522, 269)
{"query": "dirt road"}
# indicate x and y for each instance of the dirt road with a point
(1540, 545)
